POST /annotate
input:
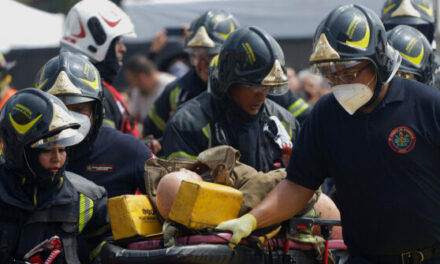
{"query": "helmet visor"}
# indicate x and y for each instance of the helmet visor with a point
(277, 90)
(340, 71)
(276, 80)
(333, 67)
(67, 137)
(274, 90)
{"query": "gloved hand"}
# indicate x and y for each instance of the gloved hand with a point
(240, 227)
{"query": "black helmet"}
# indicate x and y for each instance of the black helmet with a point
(249, 56)
(33, 119)
(74, 80)
(210, 30)
(415, 13)
(355, 33)
(417, 54)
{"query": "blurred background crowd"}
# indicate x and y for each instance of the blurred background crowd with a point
(156, 56)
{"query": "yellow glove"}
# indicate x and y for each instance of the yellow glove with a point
(240, 227)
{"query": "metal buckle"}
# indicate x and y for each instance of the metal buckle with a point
(408, 257)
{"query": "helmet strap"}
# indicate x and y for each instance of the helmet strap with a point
(109, 67)
(377, 89)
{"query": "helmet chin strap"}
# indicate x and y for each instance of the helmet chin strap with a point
(379, 84)
(109, 67)
(29, 165)
(377, 89)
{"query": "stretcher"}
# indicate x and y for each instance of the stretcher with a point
(212, 247)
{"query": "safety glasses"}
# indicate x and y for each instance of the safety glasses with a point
(343, 72)
(275, 90)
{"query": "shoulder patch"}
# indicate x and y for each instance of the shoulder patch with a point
(100, 168)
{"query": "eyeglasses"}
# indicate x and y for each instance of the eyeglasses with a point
(347, 77)
(259, 89)
(340, 71)
(268, 90)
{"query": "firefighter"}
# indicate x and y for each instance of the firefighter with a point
(94, 29)
(236, 112)
(107, 157)
(39, 199)
(377, 136)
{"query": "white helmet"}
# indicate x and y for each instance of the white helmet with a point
(91, 26)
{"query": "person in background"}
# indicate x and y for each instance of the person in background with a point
(235, 110)
(293, 79)
(107, 157)
(419, 14)
(176, 60)
(205, 37)
(313, 85)
(6, 90)
(417, 54)
(94, 29)
(147, 83)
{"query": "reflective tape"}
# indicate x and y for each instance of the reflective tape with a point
(85, 211)
(298, 107)
(207, 132)
(96, 251)
(157, 120)
(174, 98)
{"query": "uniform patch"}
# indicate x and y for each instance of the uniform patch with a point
(99, 168)
(402, 140)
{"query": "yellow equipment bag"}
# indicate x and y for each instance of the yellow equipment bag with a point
(132, 215)
(200, 204)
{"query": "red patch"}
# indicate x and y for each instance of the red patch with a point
(402, 140)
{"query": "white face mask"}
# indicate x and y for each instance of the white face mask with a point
(352, 96)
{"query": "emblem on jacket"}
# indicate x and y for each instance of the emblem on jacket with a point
(402, 140)
(99, 168)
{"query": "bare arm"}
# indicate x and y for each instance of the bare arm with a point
(283, 202)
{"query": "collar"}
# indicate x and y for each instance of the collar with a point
(83, 149)
(395, 91)
(11, 193)
(194, 82)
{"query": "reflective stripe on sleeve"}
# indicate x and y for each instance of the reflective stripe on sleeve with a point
(109, 123)
(157, 120)
(96, 251)
(85, 211)
(298, 107)
(174, 98)
(207, 132)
